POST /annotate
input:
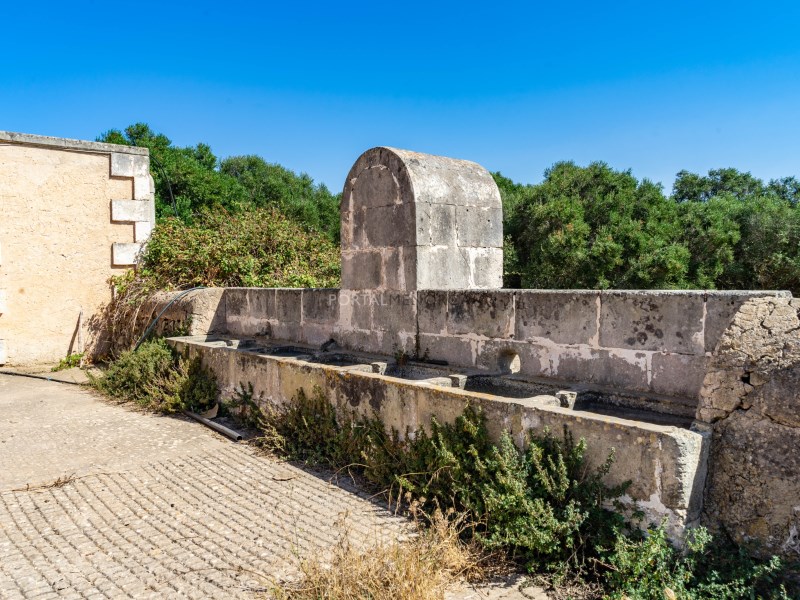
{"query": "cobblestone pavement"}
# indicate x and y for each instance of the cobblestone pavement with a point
(98, 501)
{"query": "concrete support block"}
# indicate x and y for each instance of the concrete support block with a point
(125, 254)
(321, 306)
(130, 211)
(568, 317)
(660, 321)
(678, 374)
(129, 165)
(483, 313)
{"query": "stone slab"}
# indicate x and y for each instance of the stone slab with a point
(661, 321)
(562, 317)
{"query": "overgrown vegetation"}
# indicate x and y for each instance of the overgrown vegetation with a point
(69, 362)
(596, 228)
(543, 507)
(419, 569)
(157, 378)
(198, 181)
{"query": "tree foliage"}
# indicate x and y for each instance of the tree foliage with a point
(594, 227)
(192, 178)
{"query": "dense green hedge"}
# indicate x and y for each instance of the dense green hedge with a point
(594, 227)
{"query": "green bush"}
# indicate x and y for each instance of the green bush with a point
(543, 506)
(648, 567)
(157, 378)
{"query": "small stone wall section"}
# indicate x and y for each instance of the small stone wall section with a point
(416, 221)
(750, 401)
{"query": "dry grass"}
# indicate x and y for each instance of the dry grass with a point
(421, 568)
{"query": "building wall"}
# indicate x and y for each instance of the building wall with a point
(58, 244)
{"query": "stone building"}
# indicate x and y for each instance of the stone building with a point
(72, 214)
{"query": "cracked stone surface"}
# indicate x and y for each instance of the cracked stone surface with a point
(158, 507)
(750, 397)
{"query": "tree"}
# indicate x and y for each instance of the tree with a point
(593, 227)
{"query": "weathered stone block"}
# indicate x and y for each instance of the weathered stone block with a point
(3, 352)
(659, 320)
(479, 227)
(248, 311)
(400, 268)
(721, 307)
(754, 482)
(128, 211)
(362, 270)
(455, 351)
(142, 231)
(496, 355)
(144, 188)
(678, 374)
(568, 317)
(623, 369)
(436, 225)
(389, 226)
(442, 268)
(129, 165)
(484, 313)
(321, 306)
(486, 267)
(395, 312)
(288, 305)
(432, 311)
(125, 254)
(355, 309)
(377, 186)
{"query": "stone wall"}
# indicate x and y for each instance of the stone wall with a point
(749, 400)
(657, 343)
(72, 214)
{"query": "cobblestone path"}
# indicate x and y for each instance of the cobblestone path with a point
(99, 501)
(155, 508)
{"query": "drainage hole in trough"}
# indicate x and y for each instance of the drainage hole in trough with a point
(508, 362)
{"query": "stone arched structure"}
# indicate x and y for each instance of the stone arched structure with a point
(416, 221)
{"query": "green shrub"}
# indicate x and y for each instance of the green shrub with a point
(648, 567)
(544, 506)
(69, 362)
(157, 378)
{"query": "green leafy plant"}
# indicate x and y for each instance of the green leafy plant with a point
(69, 362)
(158, 378)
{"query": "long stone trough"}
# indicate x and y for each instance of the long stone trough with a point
(695, 391)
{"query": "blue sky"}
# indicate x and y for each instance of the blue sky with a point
(514, 86)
